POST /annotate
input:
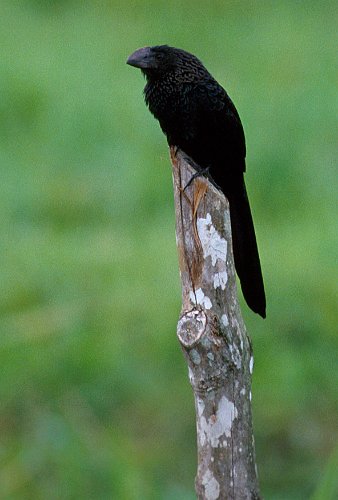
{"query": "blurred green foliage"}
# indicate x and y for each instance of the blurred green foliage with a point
(95, 399)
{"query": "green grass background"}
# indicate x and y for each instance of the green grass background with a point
(95, 399)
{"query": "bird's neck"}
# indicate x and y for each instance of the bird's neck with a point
(160, 93)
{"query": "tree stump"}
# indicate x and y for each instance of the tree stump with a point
(213, 338)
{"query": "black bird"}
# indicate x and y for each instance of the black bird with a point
(197, 115)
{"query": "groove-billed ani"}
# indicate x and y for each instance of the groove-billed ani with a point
(198, 116)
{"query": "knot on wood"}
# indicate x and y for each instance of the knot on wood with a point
(191, 326)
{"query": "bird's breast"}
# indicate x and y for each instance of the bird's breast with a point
(173, 108)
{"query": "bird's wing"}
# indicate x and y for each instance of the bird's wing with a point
(220, 127)
(204, 123)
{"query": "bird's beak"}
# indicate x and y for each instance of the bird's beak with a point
(142, 58)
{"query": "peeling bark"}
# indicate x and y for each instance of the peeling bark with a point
(213, 338)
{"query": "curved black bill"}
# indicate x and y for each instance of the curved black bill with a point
(141, 58)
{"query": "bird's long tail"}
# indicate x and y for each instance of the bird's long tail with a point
(245, 249)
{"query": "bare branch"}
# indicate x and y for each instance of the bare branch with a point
(214, 339)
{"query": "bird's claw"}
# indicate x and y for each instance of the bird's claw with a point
(203, 172)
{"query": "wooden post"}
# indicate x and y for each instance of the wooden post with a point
(213, 339)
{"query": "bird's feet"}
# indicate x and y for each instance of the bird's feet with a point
(202, 172)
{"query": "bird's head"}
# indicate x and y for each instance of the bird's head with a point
(162, 59)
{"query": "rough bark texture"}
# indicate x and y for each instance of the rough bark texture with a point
(213, 339)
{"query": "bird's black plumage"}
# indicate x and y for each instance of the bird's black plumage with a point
(197, 115)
